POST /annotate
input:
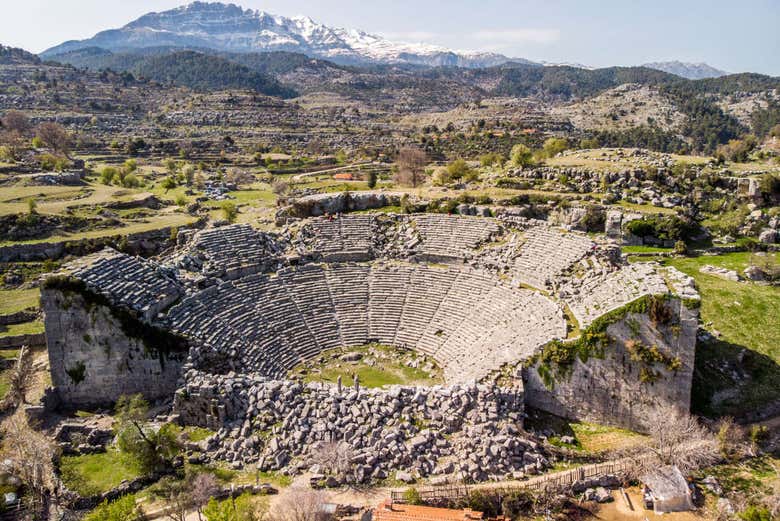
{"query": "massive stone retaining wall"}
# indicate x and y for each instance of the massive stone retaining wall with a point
(97, 355)
(646, 368)
(474, 430)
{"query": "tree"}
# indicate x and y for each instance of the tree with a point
(229, 211)
(459, 169)
(169, 183)
(122, 509)
(32, 206)
(202, 488)
(172, 166)
(242, 508)
(20, 380)
(107, 174)
(54, 136)
(411, 163)
(189, 174)
(16, 122)
(31, 454)
(299, 504)
(371, 179)
(521, 156)
(554, 146)
(182, 496)
(677, 438)
(151, 449)
(333, 457)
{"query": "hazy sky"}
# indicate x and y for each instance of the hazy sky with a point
(733, 35)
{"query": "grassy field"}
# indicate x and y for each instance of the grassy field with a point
(591, 438)
(152, 223)
(13, 300)
(747, 318)
(95, 473)
(644, 249)
(372, 370)
(26, 328)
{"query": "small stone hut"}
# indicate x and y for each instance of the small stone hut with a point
(668, 489)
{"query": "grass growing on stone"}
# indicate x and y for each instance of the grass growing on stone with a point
(96, 473)
(378, 366)
(13, 300)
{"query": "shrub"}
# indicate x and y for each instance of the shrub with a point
(131, 181)
(753, 513)
(107, 175)
(229, 211)
(412, 496)
(123, 509)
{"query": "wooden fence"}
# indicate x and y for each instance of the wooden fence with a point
(451, 492)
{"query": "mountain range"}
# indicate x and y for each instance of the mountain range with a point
(229, 28)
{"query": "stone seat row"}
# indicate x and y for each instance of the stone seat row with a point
(452, 315)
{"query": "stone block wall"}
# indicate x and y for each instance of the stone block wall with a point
(616, 389)
(95, 358)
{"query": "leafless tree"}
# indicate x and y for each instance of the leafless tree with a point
(17, 122)
(677, 438)
(31, 456)
(299, 504)
(55, 137)
(334, 457)
(411, 162)
(203, 487)
(279, 187)
(20, 380)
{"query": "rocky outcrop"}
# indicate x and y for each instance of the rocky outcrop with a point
(646, 367)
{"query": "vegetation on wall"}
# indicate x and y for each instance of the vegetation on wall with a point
(157, 342)
(556, 359)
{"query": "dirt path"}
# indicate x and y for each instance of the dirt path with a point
(344, 168)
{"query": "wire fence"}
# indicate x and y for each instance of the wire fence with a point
(453, 492)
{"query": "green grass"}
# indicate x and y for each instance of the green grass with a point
(753, 476)
(745, 313)
(645, 249)
(197, 434)
(591, 438)
(152, 223)
(386, 371)
(96, 473)
(25, 328)
(13, 300)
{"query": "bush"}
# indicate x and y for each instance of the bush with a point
(242, 509)
(412, 496)
(123, 509)
(131, 181)
(521, 155)
(229, 211)
(754, 513)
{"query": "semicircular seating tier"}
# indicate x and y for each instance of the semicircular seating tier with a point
(599, 291)
(470, 322)
(233, 251)
(431, 237)
(541, 254)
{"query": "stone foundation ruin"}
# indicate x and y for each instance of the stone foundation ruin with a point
(220, 322)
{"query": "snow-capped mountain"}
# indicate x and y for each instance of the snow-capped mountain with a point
(228, 27)
(692, 71)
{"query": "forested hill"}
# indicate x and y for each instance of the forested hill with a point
(203, 72)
